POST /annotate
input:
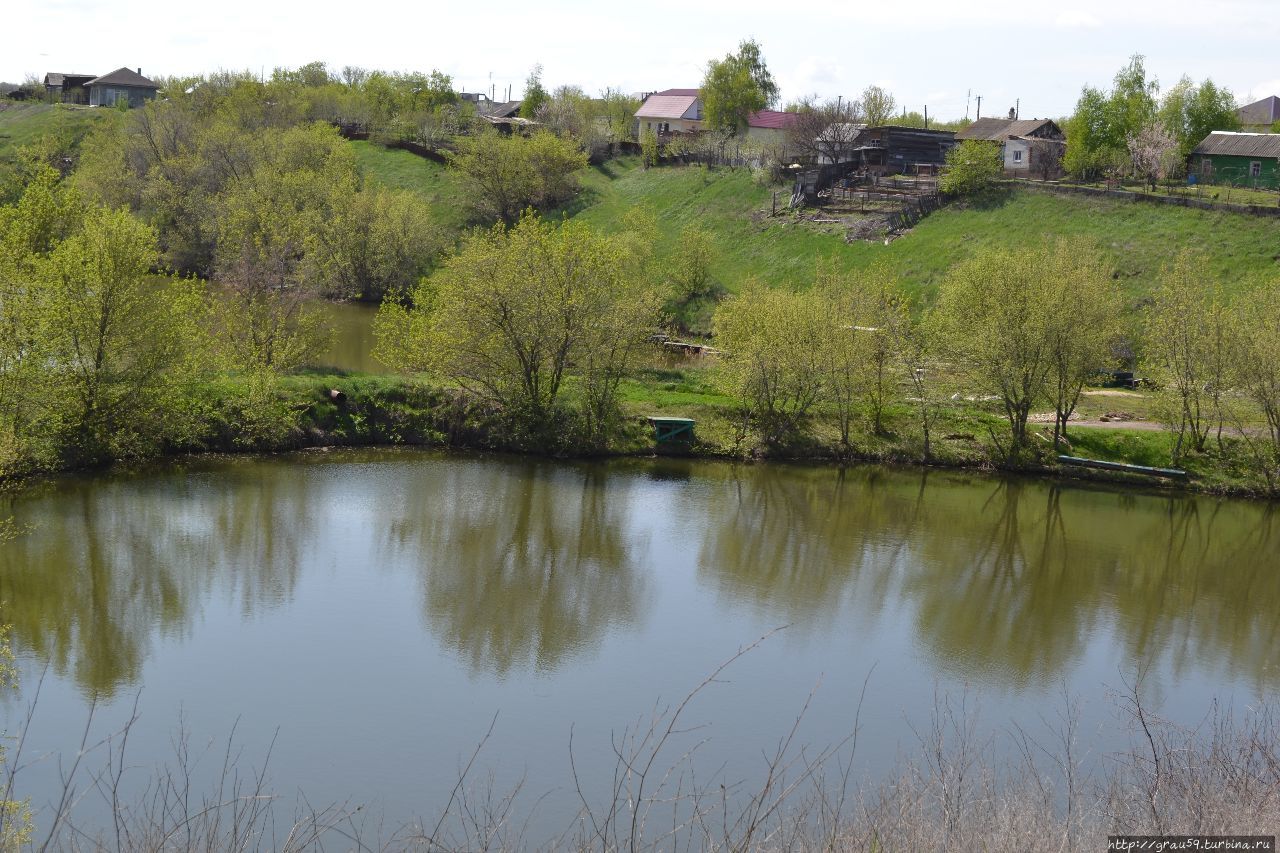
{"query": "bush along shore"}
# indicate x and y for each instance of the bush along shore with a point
(319, 409)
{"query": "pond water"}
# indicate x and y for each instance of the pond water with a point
(373, 611)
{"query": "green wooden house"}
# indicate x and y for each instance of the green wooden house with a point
(1240, 159)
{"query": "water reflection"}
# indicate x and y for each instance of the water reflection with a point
(1004, 578)
(525, 565)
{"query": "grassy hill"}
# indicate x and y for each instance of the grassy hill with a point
(23, 124)
(1138, 238)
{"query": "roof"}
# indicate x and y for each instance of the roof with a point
(56, 78)
(772, 119)
(680, 93)
(123, 77)
(1266, 111)
(500, 109)
(1226, 143)
(997, 129)
(667, 106)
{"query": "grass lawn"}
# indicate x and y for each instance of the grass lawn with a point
(22, 124)
(437, 185)
(783, 250)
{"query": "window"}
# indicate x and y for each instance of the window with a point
(1255, 169)
(1017, 155)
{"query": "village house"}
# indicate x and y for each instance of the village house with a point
(1260, 115)
(768, 128)
(122, 85)
(65, 88)
(1241, 159)
(1028, 147)
(895, 150)
(670, 111)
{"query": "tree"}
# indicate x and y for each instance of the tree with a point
(691, 264)
(735, 87)
(973, 167)
(534, 95)
(823, 130)
(1155, 154)
(1083, 319)
(122, 350)
(878, 105)
(866, 316)
(1190, 336)
(1189, 113)
(993, 316)
(516, 310)
(1099, 130)
(1257, 357)
(381, 241)
(271, 223)
(511, 173)
(774, 363)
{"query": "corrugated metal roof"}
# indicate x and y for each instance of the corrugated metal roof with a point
(772, 119)
(666, 106)
(123, 77)
(1240, 144)
(1266, 111)
(996, 129)
(679, 93)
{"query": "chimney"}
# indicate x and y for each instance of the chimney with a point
(139, 72)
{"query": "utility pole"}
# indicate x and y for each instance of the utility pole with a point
(968, 94)
(1017, 108)
(979, 106)
(926, 116)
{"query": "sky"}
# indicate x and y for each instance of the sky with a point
(937, 53)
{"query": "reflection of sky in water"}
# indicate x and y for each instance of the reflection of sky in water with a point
(380, 606)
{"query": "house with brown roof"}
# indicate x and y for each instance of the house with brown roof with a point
(1260, 115)
(122, 85)
(1028, 147)
(670, 111)
(1240, 159)
(65, 88)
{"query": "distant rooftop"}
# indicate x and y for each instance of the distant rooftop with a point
(124, 77)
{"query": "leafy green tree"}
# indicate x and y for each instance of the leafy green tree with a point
(735, 87)
(380, 241)
(867, 316)
(1083, 320)
(691, 264)
(271, 224)
(993, 316)
(1099, 131)
(1190, 113)
(650, 150)
(511, 173)
(973, 167)
(1257, 360)
(535, 96)
(1190, 337)
(516, 311)
(878, 105)
(619, 111)
(122, 349)
(773, 341)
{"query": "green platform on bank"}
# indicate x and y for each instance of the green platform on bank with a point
(671, 429)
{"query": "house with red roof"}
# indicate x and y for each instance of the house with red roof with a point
(769, 128)
(670, 111)
(674, 111)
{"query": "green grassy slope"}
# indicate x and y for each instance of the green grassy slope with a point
(437, 185)
(1137, 238)
(22, 124)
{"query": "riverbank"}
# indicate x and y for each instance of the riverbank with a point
(325, 409)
